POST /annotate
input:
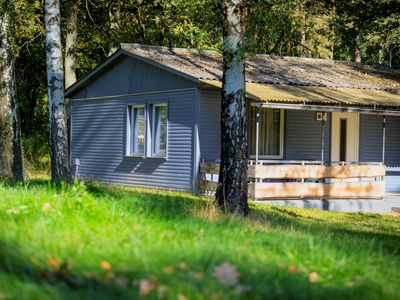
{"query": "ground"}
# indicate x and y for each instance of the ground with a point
(92, 241)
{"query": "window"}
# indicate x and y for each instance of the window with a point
(270, 142)
(159, 132)
(147, 130)
(138, 131)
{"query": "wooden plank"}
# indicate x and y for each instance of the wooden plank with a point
(209, 168)
(316, 171)
(207, 186)
(373, 189)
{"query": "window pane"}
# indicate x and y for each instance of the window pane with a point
(269, 131)
(138, 130)
(160, 130)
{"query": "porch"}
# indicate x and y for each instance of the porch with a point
(271, 179)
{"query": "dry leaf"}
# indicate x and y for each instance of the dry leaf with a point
(292, 268)
(53, 263)
(241, 289)
(109, 276)
(183, 265)
(105, 265)
(145, 287)
(313, 277)
(198, 275)
(227, 274)
(122, 281)
(181, 297)
(46, 207)
(350, 283)
(168, 270)
(161, 290)
(13, 211)
(215, 296)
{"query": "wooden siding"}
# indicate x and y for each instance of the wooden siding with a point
(128, 76)
(98, 140)
(303, 136)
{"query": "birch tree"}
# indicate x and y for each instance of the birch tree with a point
(55, 82)
(231, 194)
(11, 158)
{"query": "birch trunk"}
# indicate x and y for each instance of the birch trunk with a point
(357, 50)
(70, 39)
(231, 194)
(11, 158)
(55, 79)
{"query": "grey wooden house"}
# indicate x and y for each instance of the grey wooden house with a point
(149, 116)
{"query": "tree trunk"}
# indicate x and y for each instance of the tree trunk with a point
(55, 79)
(231, 194)
(70, 39)
(357, 50)
(11, 159)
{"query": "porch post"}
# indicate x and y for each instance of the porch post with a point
(323, 138)
(383, 139)
(257, 130)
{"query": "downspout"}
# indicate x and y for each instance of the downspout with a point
(257, 130)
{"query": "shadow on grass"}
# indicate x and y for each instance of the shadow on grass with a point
(65, 283)
(173, 205)
(272, 282)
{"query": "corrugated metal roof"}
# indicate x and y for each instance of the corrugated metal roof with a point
(207, 65)
(315, 94)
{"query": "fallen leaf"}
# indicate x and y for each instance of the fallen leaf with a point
(168, 270)
(53, 263)
(215, 296)
(350, 283)
(105, 265)
(46, 207)
(109, 276)
(227, 274)
(161, 290)
(181, 297)
(122, 281)
(241, 289)
(313, 277)
(183, 265)
(292, 268)
(198, 275)
(13, 211)
(145, 287)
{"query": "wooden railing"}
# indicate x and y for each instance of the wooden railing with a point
(294, 179)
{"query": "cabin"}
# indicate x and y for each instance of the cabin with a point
(150, 116)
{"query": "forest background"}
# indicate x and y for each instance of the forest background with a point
(356, 30)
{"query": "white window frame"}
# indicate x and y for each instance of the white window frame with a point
(281, 138)
(130, 126)
(152, 131)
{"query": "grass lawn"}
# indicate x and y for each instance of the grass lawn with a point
(101, 242)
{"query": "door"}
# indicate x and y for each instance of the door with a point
(345, 136)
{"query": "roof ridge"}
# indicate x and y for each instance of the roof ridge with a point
(261, 55)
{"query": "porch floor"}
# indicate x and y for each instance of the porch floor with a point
(385, 205)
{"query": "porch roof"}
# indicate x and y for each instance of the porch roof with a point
(265, 92)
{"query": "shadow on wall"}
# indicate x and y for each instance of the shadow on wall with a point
(138, 165)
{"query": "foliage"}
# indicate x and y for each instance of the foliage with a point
(99, 242)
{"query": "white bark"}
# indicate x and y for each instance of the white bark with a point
(55, 79)
(231, 194)
(5, 95)
(11, 158)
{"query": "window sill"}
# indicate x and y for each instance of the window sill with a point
(145, 157)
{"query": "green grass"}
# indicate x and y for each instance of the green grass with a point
(53, 241)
